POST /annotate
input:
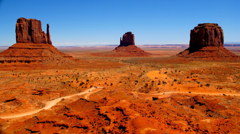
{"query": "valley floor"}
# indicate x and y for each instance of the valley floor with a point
(142, 95)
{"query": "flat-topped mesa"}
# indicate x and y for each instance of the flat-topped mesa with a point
(30, 31)
(127, 39)
(206, 34)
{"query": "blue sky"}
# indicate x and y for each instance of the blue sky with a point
(91, 22)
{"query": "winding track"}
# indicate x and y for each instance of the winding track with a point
(168, 94)
(93, 90)
(197, 93)
(50, 104)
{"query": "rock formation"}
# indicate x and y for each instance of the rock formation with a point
(33, 45)
(127, 39)
(205, 35)
(128, 48)
(30, 31)
(206, 41)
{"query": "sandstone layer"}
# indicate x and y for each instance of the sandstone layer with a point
(127, 47)
(207, 41)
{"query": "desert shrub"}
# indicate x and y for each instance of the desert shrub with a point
(144, 90)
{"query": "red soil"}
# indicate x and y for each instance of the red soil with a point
(209, 52)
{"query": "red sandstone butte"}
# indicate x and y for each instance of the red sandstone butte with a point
(206, 41)
(30, 31)
(127, 47)
(127, 39)
(33, 45)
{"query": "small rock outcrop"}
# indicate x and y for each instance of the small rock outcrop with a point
(206, 41)
(30, 31)
(33, 46)
(127, 47)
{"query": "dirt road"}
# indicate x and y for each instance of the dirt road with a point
(50, 104)
(168, 94)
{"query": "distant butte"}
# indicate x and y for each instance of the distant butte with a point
(127, 47)
(33, 46)
(127, 39)
(206, 41)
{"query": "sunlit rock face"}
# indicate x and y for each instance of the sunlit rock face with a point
(30, 31)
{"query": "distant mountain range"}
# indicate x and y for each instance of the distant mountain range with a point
(232, 42)
(232, 45)
(228, 44)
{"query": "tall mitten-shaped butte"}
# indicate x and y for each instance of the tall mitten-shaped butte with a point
(127, 47)
(127, 39)
(30, 31)
(34, 46)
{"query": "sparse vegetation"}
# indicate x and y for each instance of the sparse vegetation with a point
(139, 88)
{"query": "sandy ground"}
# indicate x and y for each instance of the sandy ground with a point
(50, 104)
(155, 94)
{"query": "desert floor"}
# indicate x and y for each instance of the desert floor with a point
(141, 95)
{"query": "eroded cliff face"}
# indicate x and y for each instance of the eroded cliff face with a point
(206, 34)
(30, 31)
